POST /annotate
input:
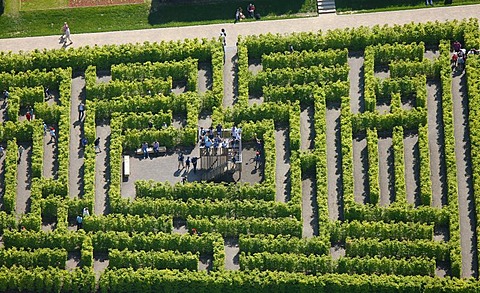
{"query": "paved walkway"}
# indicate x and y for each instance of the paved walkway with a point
(323, 22)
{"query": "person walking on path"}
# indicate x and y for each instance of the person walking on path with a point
(187, 164)
(52, 134)
(20, 151)
(45, 127)
(85, 212)
(194, 163)
(180, 161)
(67, 35)
(81, 111)
(96, 143)
(79, 222)
(223, 37)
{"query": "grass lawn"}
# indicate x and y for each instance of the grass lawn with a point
(348, 6)
(140, 16)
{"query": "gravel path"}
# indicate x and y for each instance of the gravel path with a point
(205, 80)
(230, 81)
(76, 133)
(412, 168)
(307, 127)
(102, 173)
(436, 142)
(466, 204)
(309, 207)
(23, 180)
(232, 254)
(360, 152)
(282, 174)
(50, 153)
(385, 167)
(334, 164)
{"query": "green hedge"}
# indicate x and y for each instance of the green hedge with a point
(283, 244)
(42, 257)
(152, 259)
(128, 223)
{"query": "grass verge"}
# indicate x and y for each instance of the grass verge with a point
(141, 16)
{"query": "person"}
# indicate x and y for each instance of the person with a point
(156, 147)
(52, 133)
(2, 151)
(239, 15)
(454, 60)
(234, 160)
(85, 212)
(257, 159)
(251, 10)
(81, 111)
(258, 143)
(96, 143)
(30, 110)
(457, 46)
(84, 142)
(28, 116)
(180, 161)
(150, 124)
(67, 35)
(64, 30)
(184, 179)
(79, 222)
(219, 129)
(6, 95)
(223, 37)
(187, 164)
(48, 95)
(45, 127)
(145, 149)
(20, 151)
(194, 163)
(461, 60)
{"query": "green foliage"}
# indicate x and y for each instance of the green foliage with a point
(42, 257)
(67, 240)
(128, 223)
(10, 191)
(399, 249)
(283, 244)
(381, 230)
(152, 259)
(229, 227)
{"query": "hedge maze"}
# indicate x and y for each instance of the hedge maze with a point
(368, 175)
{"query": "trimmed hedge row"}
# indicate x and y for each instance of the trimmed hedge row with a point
(128, 223)
(314, 264)
(42, 257)
(283, 244)
(152, 259)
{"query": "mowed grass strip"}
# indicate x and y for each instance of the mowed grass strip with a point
(349, 6)
(140, 16)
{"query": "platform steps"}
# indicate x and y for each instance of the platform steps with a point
(326, 6)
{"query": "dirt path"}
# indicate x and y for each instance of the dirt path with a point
(435, 144)
(309, 207)
(50, 154)
(334, 164)
(232, 254)
(412, 168)
(76, 133)
(230, 81)
(385, 168)
(307, 127)
(204, 77)
(24, 180)
(102, 173)
(360, 152)
(466, 204)
(282, 174)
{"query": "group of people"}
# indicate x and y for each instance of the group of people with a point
(185, 163)
(155, 146)
(459, 55)
(80, 218)
(213, 139)
(250, 10)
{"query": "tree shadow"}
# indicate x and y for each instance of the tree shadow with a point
(206, 68)
(365, 198)
(311, 174)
